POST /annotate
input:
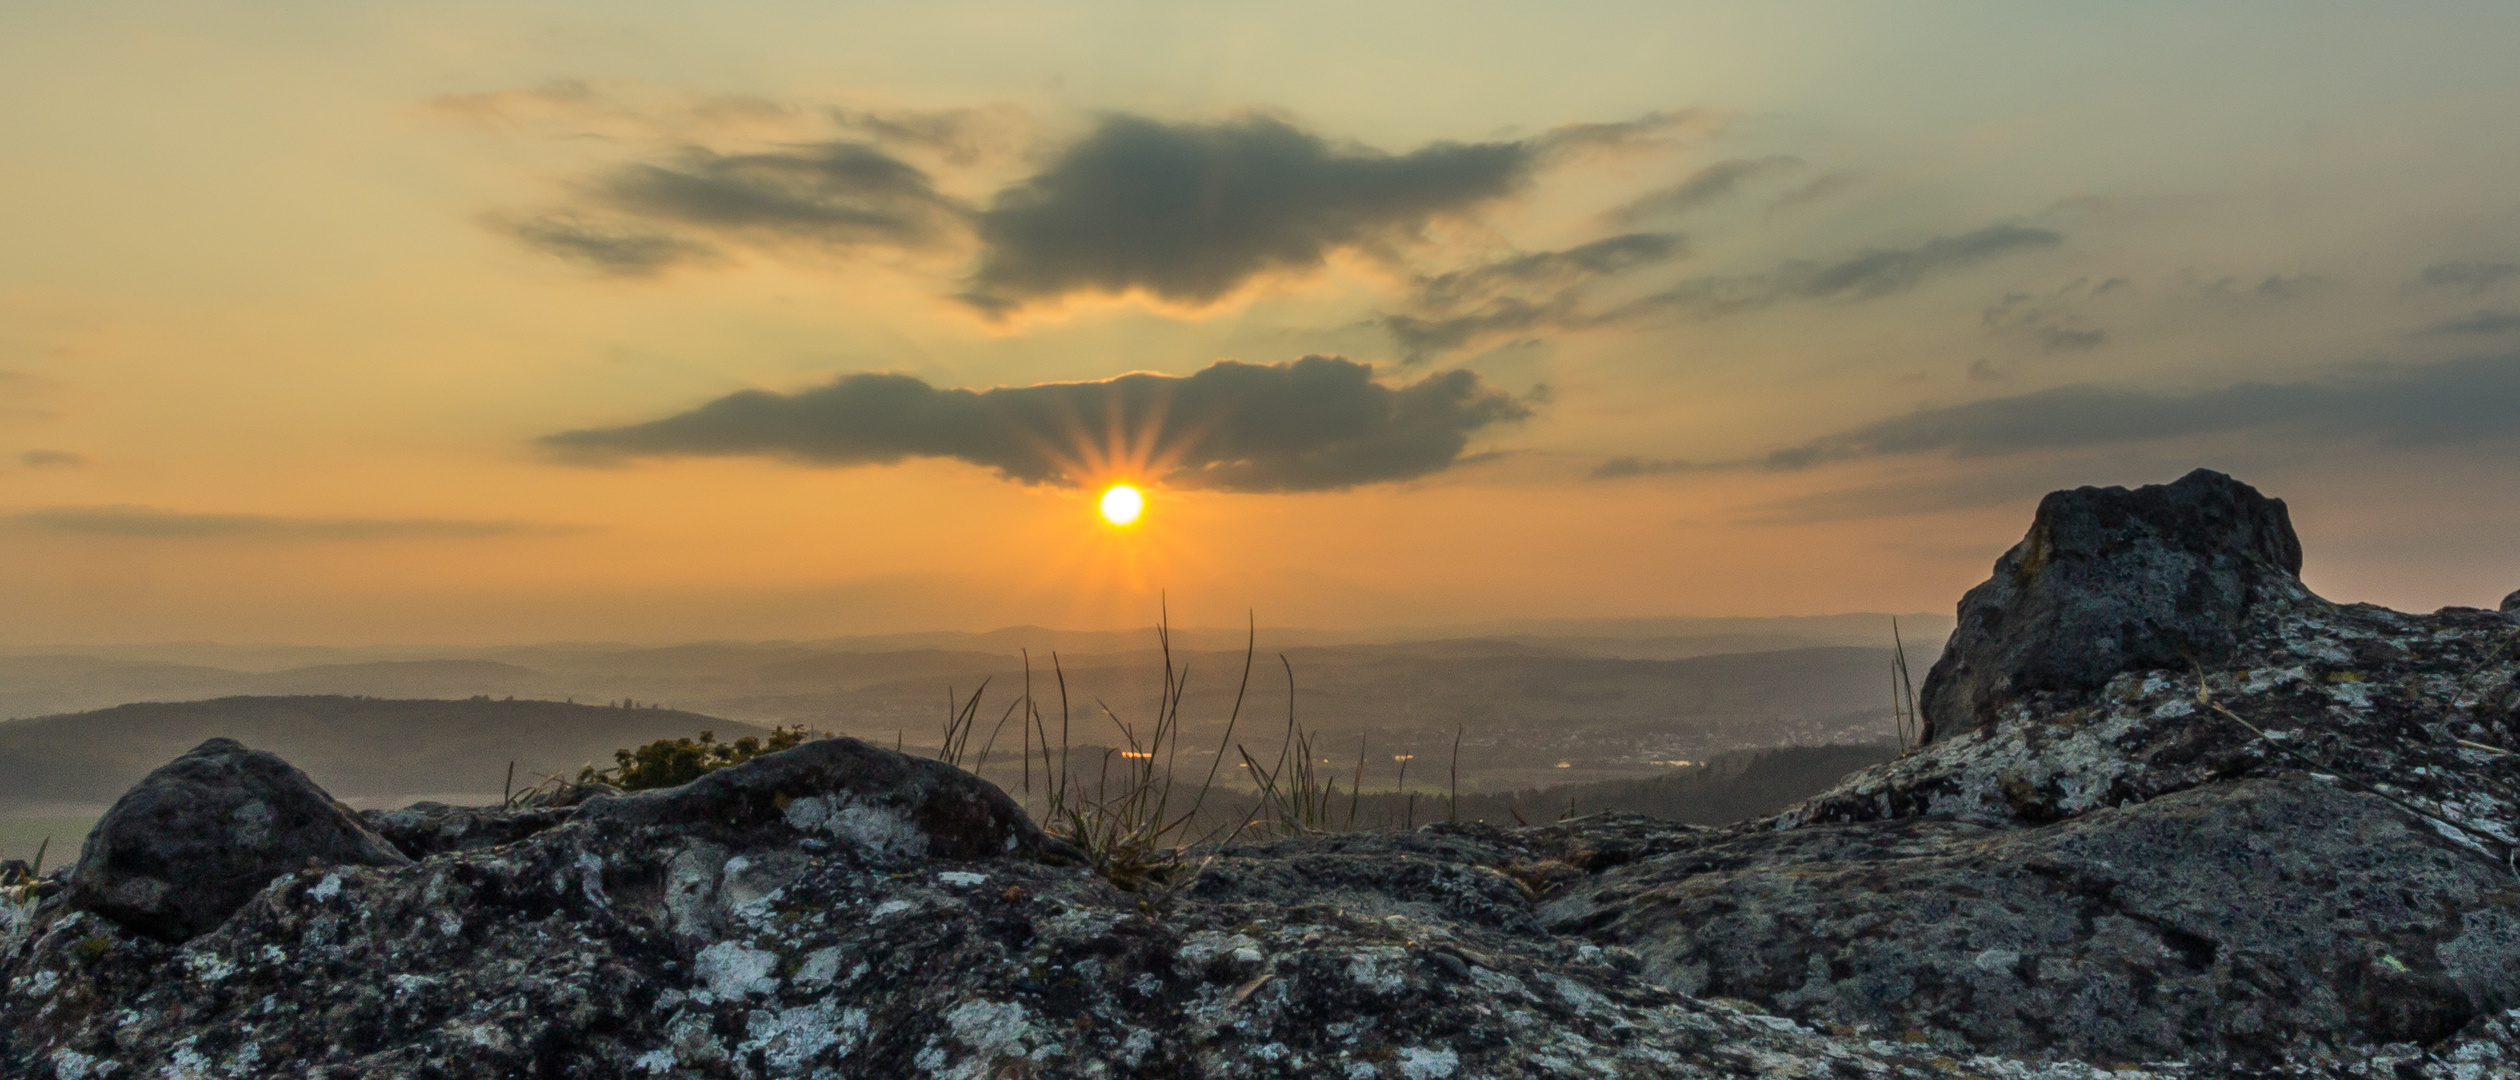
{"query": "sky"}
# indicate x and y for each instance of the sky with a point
(538, 320)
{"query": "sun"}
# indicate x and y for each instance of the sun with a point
(1121, 504)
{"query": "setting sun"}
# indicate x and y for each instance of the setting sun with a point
(1121, 504)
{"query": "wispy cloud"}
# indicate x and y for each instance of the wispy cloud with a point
(1182, 212)
(2475, 277)
(1863, 276)
(1528, 291)
(51, 459)
(1319, 423)
(2058, 320)
(2482, 322)
(2447, 403)
(153, 523)
(611, 247)
(1709, 184)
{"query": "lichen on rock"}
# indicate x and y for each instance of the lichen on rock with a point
(2256, 834)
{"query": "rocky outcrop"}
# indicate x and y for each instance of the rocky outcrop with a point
(2112, 581)
(191, 842)
(2259, 835)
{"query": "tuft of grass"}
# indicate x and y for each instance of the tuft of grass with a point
(1125, 824)
(1904, 717)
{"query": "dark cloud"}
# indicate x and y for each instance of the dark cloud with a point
(2056, 320)
(2273, 288)
(2476, 277)
(1704, 186)
(1638, 466)
(1818, 189)
(1319, 423)
(614, 249)
(150, 523)
(51, 459)
(1529, 291)
(2483, 322)
(1864, 276)
(2399, 404)
(1188, 212)
(835, 193)
(2455, 402)
(1183, 212)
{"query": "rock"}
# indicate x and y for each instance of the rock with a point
(191, 842)
(834, 790)
(2229, 923)
(428, 828)
(2109, 581)
(2511, 603)
(2292, 862)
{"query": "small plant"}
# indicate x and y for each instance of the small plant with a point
(1294, 798)
(671, 762)
(1125, 825)
(1903, 714)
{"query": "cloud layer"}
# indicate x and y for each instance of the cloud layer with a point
(1863, 276)
(2438, 404)
(152, 523)
(1319, 423)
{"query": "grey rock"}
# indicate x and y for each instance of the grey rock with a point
(192, 841)
(2233, 923)
(2291, 862)
(2511, 603)
(428, 828)
(834, 789)
(2110, 581)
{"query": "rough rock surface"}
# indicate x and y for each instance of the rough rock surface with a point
(191, 842)
(2293, 861)
(2109, 581)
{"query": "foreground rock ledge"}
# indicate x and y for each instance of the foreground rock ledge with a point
(2089, 874)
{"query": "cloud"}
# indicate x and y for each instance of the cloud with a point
(18, 390)
(2056, 320)
(834, 193)
(1706, 185)
(148, 522)
(1189, 212)
(1864, 276)
(2483, 322)
(1818, 189)
(2406, 405)
(1527, 291)
(960, 136)
(1618, 467)
(51, 459)
(2475, 276)
(1319, 423)
(614, 249)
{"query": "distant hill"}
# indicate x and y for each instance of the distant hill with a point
(359, 748)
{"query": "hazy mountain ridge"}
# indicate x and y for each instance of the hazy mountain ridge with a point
(361, 749)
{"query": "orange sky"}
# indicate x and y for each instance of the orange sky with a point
(294, 300)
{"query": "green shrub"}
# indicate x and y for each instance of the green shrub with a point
(671, 762)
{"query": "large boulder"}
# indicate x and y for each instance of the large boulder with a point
(2110, 581)
(191, 842)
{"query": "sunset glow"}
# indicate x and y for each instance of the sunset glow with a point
(490, 323)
